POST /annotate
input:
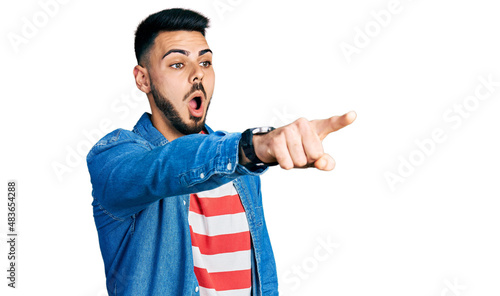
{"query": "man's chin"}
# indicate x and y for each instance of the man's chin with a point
(195, 126)
(196, 129)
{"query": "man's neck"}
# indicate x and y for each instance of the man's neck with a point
(164, 126)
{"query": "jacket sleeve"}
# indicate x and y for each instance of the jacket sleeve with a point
(127, 173)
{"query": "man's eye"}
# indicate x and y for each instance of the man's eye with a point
(177, 65)
(206, 64)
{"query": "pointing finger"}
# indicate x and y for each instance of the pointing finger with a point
(324, 127)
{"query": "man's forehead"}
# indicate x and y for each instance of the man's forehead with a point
(188, 40)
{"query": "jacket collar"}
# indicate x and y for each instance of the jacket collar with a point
(145, 129)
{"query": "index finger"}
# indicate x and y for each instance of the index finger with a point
(324, 127)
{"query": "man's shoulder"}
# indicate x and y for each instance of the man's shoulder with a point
(117, 137)
(120, 135)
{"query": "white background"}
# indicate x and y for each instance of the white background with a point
(70, 81)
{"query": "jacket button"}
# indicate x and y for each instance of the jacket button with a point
(202, 175)
(196, 289)
(229, 166)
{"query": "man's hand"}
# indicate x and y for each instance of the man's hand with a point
(299, 144)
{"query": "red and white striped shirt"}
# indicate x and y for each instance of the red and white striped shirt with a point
(221, 242)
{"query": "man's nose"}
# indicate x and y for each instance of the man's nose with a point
(197, 74)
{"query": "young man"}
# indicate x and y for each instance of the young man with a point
(177, 206)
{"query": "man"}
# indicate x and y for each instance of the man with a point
(177, 206)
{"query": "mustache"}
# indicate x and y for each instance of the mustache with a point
(195, 87)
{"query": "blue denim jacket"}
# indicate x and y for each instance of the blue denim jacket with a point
(141, 184)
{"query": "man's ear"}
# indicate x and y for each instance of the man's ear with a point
(142, 79)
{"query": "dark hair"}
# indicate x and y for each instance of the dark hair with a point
(175, 19)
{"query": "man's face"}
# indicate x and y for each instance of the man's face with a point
(182, 79)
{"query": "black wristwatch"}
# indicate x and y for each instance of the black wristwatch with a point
(246, 145)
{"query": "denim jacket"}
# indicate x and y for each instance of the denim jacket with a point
(141, 184)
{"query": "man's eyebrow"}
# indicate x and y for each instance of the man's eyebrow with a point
(186, 53)
(181, 51)
(204, 51)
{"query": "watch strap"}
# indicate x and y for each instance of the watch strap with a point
(246, 143)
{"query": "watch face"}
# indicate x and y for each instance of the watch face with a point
(262, 130)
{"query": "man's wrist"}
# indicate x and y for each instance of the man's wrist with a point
(243, 159)
(248, 156)
(247, 153)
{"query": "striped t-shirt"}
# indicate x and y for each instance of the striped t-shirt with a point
(221, 242)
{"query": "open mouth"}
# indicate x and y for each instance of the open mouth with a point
(195, 103)
(196, 106)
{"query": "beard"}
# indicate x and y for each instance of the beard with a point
(195, 124)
